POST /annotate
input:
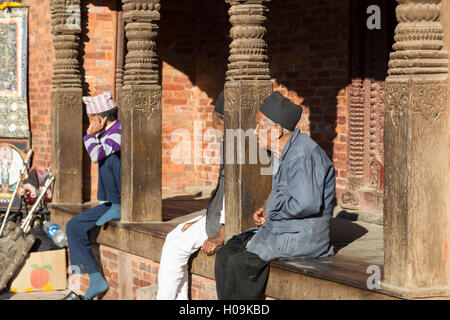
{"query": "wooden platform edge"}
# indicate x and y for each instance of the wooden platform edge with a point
(147, 241)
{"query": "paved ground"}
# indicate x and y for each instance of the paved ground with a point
(44, 295)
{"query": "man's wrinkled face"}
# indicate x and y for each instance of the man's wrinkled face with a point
(267, 133)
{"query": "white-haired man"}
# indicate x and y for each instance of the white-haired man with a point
(294, 220)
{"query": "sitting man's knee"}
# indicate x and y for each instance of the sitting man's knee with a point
(171, 238)
(73, 227)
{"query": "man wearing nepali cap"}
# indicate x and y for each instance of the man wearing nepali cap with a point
(294, 220)
(102, 142)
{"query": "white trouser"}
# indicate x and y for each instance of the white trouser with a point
(177, 249)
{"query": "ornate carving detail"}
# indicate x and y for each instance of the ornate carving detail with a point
(141, 61)
(366, 97)
(350, 198)
(67, 98)
(398, 98)
(419, 49)
(375, 134)
(248, 50)
(65, 28)
(144, 101)
(429, 99)
(356, 134)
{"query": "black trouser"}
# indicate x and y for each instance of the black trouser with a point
(240, 275)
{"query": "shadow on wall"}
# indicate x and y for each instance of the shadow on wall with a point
(194, 39)
(309, 47)
(193, 46)
(324, 57)
(84, 40)
(316, 51)
(87, 165)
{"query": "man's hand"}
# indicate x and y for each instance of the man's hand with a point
(210, 245)
(260, 216)
(96, 126)
(187, 226)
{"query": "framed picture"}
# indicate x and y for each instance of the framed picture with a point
(12, 158)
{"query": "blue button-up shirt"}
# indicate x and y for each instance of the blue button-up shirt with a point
(300, 204)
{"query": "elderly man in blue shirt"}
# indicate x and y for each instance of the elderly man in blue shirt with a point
(294, 220)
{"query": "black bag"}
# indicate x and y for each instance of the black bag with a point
(43, 241)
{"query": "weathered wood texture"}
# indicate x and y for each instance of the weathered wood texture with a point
(246, 187)
(141, 117)
(248, 84)
(66, 104)
(343, 276)
(416, 151)
(67, 145)
(446, 24)
(141, 153)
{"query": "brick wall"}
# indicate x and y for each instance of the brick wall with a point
(97, 56)
(40, 64)
(194, 63)
(97, 51)
(193, 74)
(126, 273)
(308, 51)
(121, 269)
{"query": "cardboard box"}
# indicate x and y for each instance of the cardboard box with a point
(42, 271)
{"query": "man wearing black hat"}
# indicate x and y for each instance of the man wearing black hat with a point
(205, 232)
(294, 220)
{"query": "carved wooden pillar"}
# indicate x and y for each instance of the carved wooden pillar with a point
(140, 104)
(248, 84)
(120, 52)
(416, 153)
(66, 103)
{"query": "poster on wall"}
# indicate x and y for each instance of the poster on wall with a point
(14, 126)
(12, 159)
(13, 72)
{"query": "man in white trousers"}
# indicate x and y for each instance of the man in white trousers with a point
(205, 232)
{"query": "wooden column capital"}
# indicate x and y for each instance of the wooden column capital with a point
(248, 51)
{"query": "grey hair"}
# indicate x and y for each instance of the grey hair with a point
(271, 124)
